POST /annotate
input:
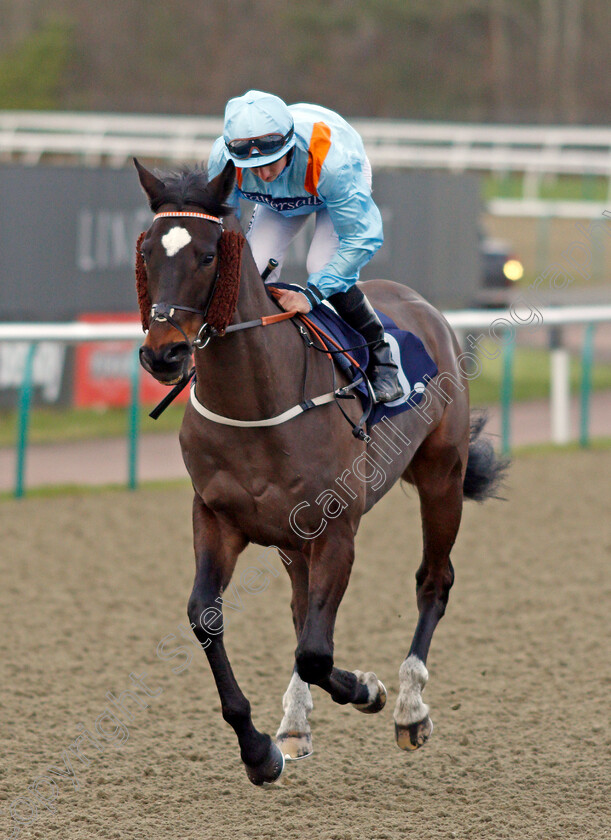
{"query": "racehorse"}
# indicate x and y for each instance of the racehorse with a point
(262, 471)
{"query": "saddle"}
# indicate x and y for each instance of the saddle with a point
(416, 367)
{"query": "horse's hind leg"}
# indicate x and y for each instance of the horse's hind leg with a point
(438, 475)
(294, 736)
(216, 552)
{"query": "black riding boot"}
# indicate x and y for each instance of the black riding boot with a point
(356, 310)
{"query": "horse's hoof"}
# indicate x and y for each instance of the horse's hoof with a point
(415, 735)
(295, 745)
(270, 768)
(377, 693)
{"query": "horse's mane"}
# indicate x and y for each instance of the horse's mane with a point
(188, 186)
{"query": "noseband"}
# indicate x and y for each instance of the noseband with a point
(165, 311)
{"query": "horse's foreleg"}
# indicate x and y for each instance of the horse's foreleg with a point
(216, 552)
(294, 736)
(439, 483)
(330, 564)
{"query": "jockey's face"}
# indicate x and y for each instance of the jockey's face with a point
(271, 171)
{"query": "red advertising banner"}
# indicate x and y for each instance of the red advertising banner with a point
(102, 370)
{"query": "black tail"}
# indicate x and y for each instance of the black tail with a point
(486, 471)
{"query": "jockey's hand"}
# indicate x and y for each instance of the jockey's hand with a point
(290, 301)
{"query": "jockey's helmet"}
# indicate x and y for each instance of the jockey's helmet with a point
(258, 129)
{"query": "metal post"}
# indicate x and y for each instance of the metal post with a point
(134, 421)
(23, 422)
(560, 388)
(543, 238)
(531, 184)
(587, 355)
(589, 187)
(507, 395)
(599, 246)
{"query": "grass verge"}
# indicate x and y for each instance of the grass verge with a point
(531, 377)
(58, 425)
(558, 188)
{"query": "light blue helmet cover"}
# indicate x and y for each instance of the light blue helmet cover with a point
(253, 115)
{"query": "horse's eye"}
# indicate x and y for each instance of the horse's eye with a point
(143, 255)
(206, 259)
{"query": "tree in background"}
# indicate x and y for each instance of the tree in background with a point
(34, 70)
(497, 60)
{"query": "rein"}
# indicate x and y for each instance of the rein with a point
(161, 312)
(332, 396)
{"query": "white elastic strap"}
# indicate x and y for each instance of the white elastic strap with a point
(271, 421)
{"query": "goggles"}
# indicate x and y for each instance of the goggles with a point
(268, 144)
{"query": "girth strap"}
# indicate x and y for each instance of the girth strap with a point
(270, 421)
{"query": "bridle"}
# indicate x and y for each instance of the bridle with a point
(164, 312)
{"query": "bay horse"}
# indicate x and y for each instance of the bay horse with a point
(262, 477)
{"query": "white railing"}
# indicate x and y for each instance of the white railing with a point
(540, 209)
(105, 138)
(114, 138)
(501, 326)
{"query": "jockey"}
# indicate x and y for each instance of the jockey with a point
(301, 159)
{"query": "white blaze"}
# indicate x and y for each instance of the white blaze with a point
(175, 239)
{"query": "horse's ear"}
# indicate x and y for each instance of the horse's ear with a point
(221, 187)
(152, 186)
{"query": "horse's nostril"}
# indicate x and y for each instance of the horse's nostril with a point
(176, 353)
(145, 357)
(166, 362)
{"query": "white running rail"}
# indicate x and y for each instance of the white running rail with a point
(114, 138)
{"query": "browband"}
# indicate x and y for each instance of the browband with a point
(187, 214)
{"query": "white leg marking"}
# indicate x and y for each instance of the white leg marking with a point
(297, 704)
(175, 239)
(371, 681)
(412, 679)
(376, 693)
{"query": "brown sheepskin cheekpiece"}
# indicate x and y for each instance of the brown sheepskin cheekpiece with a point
(225, 300)
(144, 301)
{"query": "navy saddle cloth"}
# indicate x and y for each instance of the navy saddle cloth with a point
(416, 367)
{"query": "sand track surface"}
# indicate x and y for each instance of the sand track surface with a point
(520, 675)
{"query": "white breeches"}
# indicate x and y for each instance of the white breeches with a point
(271, 233)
